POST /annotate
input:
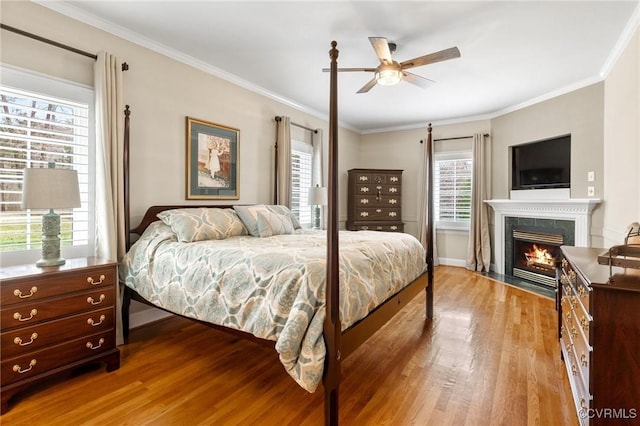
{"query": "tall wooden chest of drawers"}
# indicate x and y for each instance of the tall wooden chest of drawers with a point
(55, 319)
(375, 200)
(599, 329)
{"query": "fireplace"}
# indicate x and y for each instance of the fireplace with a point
(535, 264)
(535, 251)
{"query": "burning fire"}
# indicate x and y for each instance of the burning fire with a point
(539, 255)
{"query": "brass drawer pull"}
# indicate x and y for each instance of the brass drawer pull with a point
(574, 369)
(19, 294)
(92, 323)
(18, 315)
(18, 341)
(92, 282)
(94, 302)
(90, 345)
(583, 360)
(19, 369)
(585, 324)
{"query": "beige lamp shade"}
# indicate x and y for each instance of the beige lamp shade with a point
(50, 188)
(318, 196)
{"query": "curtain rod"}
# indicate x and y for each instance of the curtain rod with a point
(278, 118)
(125, 66)
(486, 135)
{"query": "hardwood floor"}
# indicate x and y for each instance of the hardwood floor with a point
(489, 357)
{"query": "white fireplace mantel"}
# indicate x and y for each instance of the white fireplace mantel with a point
(576, 209)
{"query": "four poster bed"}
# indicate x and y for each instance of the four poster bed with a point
(282, 288)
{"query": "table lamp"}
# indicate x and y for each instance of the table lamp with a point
(317, 197)
(50, 188)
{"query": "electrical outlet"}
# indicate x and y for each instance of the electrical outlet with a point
(591, 176)
(591, 191)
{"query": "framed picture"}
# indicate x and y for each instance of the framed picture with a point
(212, 161)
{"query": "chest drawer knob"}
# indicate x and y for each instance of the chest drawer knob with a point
(364, 214)
(574, 369)
(364, 189)
(18, 315)
(91, 281)
(393, 201)
(19, 369)
(18, 340)
(96, 302)
(19, 294)
(393, 214)
(92, 323)
(364, 201)
(93, 348)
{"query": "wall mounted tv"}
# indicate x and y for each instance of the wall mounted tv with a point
(542, 164)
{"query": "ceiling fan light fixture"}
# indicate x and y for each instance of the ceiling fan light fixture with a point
(388, 77)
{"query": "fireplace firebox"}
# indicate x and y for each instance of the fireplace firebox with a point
(534, 255)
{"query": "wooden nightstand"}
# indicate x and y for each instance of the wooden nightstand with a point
(54, 319)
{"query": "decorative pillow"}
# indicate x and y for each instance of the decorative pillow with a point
(249, 216)
(276, 208)
(270, 223)
(198, 224)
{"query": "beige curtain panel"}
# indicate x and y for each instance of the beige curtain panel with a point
(283, 141)
(479, 249)
(109, 107)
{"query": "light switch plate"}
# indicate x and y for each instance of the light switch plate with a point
(591, 176)
(591, 191)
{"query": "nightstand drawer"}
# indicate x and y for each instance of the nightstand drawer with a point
(38, 362)
(39, 311)
(31, 289)
(21, 340)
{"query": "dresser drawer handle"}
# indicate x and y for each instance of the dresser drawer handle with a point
(583, 360)
(92, 282)
(574, 369)
(583, 403)
(94, 302)
(18, 293)
(18, 341)
(18, 315)
(93, 348)
(19, 369)
(92, 323)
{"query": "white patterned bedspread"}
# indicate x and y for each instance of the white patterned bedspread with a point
(274, 287)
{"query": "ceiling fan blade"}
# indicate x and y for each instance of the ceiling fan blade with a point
(368, 86)
(417, 80)
(381, 46)
(431, 58)
(351, 69)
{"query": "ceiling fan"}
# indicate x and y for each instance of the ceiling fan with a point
(390, 72)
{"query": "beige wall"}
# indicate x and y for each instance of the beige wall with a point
(161, 93)
(403, 150)
(622, 143)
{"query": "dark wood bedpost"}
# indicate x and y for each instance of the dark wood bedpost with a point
(332, 327)
(125, 167)
(430, 229)
(126, 297)
(275, 174)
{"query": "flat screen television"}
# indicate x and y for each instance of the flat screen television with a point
(542, 164)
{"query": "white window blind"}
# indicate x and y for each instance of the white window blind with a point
(452, 190)
(37, 128)
(301, 162)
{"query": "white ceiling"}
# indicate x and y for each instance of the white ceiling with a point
(513, 53)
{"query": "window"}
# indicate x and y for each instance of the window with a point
(452, 190)
(43, 120)
(301, 164)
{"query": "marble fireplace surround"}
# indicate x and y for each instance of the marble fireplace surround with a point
(576, 209)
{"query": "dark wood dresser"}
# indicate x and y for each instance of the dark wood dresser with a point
(599, 329)
(375, 200)
(55, 319)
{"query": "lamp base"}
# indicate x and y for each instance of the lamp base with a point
(50, 262)
(50, 240)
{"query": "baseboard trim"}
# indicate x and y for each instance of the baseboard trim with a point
(452, 262)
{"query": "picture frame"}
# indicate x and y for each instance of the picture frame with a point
(212, 161)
